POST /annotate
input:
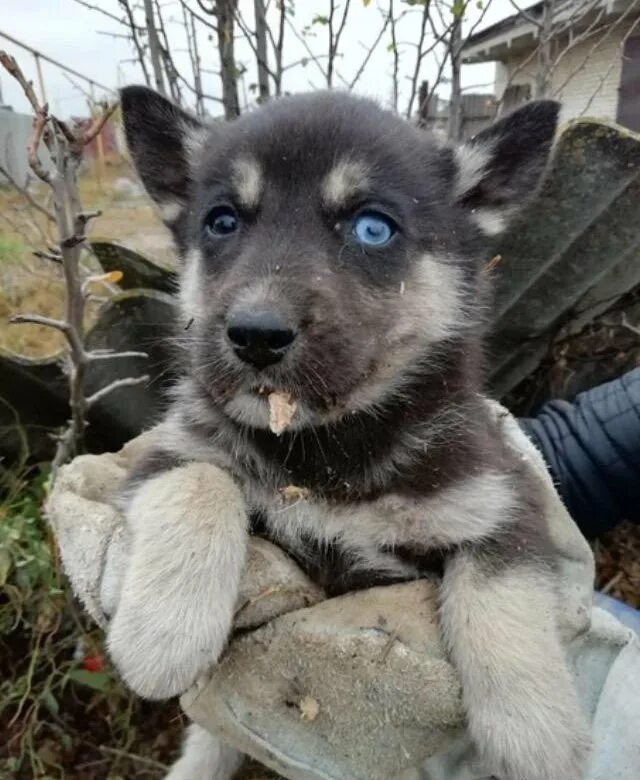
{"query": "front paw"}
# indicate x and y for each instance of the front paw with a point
(528, 745)
(161, 654)
(181, 584)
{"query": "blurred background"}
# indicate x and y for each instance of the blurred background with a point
(567, 278)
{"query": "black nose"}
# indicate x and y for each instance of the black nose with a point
(259, 337)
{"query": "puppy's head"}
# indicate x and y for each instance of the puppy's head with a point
(329, 249)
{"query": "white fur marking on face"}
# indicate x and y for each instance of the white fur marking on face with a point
(346, 179)
(247, 180)
(491, 222)
(433, 310)
(192, 302)
(472, 163)
(169, 211)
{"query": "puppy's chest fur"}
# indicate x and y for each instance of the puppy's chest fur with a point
(366, 521)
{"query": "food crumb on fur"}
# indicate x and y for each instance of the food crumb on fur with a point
(281, 410)
(294, 493)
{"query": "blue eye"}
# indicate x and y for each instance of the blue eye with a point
(222, 221)
(373, 229)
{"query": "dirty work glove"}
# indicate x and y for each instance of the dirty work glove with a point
(358, 686)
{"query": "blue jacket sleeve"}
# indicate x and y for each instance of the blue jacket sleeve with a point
(592, 449)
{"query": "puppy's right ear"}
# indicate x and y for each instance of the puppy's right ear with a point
(162, 139)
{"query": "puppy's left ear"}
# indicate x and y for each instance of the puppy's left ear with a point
(498, 170)
(163, 140)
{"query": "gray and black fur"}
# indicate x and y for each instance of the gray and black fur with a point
(401, 465)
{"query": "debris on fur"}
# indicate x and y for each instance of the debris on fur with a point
(281, 410)
(309, 708)
(292, 493)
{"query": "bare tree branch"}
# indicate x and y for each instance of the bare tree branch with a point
(334, 40)
(112, 355)
(39, 124)
(372, 48)
(154, 46)
(313, 57)
(419, 57)
(395, 84)
(613, 62)
(614, 25)
(96, 127)
(115, 385)
(27, 196)
(135, 35)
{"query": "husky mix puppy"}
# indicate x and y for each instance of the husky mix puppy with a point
(333, 255)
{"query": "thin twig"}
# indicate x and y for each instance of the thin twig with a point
(133, 757)
(107, 355)
(126, 382)
(371, 49)
(11, 66)
(27, 196)
(39, 123)
(97, 124)
(37, 319)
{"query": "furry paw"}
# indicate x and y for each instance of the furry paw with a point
(535, 746)
(180, 588)
(204, 757)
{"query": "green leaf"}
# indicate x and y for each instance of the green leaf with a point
(458, 8)
(320, 19)
(5, 565)
(365, 3)
(99, 681)
(51, 703)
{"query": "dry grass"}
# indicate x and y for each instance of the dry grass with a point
(29, 285)
(618, 563)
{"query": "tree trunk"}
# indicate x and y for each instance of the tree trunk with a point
(279, 46)
(455, 104)
(197, 74)
(154, 47)
(261, 50)
(545, 65)
(225, 12)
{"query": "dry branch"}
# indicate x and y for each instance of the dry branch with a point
(39, 123)
(66, 148)
(27, 195)
(115, 385)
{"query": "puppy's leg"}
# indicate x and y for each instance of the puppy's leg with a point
(521, 704)
(189, 534)
(204, 757)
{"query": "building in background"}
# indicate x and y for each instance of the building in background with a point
(585, 53)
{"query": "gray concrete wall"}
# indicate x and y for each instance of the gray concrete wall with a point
(15, 130)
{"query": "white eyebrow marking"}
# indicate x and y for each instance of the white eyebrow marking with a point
(169, 210)
(247, 180)
(347, 178)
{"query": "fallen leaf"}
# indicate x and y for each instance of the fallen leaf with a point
(309, 708)
(281, 410)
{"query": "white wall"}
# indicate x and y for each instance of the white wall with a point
(586, 80)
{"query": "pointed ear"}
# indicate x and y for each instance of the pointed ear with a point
(162, 139)
(499, 169)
